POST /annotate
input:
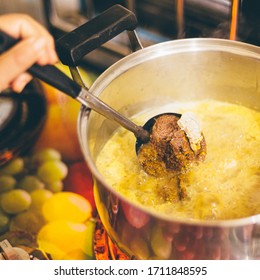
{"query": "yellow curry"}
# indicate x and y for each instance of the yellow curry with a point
(225, 186)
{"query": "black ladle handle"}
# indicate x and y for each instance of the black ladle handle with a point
(48, 73)
(73, 46)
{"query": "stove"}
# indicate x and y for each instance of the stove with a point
(104, 248)
(160, 21)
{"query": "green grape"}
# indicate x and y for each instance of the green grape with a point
(55, 187)
(7, 183)
(30, 183)
(52, 171)
(15, 201)
(13, 167)
(38, 198)
(27, 221)
(46, 154)
(4, 222)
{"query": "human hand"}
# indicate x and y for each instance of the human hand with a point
(36, 45)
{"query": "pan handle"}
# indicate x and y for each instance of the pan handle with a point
(72, 47)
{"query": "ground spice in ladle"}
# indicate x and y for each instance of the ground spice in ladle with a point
(175, 144)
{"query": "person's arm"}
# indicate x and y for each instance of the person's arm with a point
(36, 46)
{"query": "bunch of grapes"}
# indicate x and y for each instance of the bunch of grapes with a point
(25, 184)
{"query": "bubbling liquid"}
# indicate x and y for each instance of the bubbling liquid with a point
(225, 186)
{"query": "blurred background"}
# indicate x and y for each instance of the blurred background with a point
(158, 20)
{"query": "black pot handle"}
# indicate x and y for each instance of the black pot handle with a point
(72, 47)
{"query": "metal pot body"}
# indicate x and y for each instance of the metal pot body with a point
(181, 70)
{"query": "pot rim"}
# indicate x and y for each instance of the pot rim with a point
(138, 57)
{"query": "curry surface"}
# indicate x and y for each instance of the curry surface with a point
(225, 186)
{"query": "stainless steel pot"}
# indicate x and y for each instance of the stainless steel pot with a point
(181, 70)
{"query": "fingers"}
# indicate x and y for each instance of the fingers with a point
(24, 27)
(20, 82)
(36, 46)
(19, 58)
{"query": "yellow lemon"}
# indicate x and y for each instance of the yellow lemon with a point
(59, 238)
(67, 206)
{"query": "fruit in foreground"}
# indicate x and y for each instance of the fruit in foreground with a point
(13, 167)
(59, 238)
(52, 171)
(15, 201)
(79, 180)
(7, 183)
(27, 221)
(30, 183)
(55, 187)
(42, 155)
(67, 205)
(39, 197)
